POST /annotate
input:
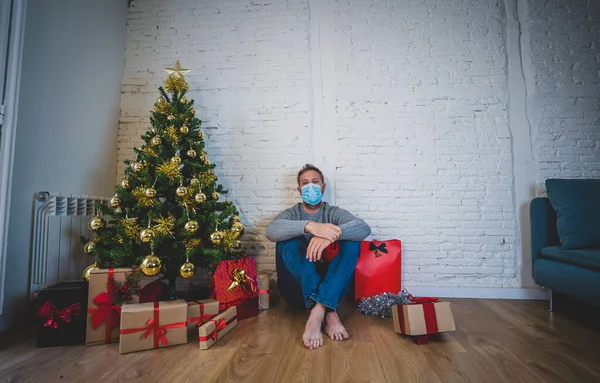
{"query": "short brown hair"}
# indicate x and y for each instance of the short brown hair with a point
(308, 167)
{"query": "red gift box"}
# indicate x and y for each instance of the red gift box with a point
(235, 281)
(246, 308)
(379, 268)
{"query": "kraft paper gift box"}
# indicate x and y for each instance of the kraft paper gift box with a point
(422, 319)
(199, 312)
(263, 290)
(217, 328)
(103, 314)
(146, 326)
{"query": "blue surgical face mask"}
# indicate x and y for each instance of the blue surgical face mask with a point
(311, 194)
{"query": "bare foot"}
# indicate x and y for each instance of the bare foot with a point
(312, 336)
(334, 327)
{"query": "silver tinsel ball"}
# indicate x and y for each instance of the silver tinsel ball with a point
(381, 305)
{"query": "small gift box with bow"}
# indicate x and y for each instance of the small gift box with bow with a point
(61, 314)
(199, 312)
(425, 316)
(108, 290)
(146, 326)
(216, 328)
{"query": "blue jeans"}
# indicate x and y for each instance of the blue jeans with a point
(302, 283)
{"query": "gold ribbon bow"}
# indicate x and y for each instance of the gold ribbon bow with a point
(239, 278)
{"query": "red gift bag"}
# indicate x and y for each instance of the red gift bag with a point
(379, 268)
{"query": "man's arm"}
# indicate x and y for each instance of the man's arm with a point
(353, 228)
(284, 227)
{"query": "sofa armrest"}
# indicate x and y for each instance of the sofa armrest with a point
(543, 226)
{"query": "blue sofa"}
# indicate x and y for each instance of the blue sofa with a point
(570, 269)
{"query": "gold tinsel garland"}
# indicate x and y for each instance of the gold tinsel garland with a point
(208, 177)
(176, 83)
(164, 226)
(150, 151)
(140, 194)
(172, 134)
(229, 239)
(169, 169)
(162, 107)
(192, 243)
(131, 227)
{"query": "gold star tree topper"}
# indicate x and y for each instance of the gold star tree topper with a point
(177, 70)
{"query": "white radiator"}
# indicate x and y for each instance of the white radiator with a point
(59, 222)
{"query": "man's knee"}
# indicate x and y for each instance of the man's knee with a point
(350, 246)
(292, 243)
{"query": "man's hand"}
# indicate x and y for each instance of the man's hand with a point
(328, 231)
(316, 247)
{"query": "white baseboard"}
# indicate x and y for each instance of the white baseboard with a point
(479, 292)
(6, 321)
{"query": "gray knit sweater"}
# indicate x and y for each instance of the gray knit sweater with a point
(291, 222)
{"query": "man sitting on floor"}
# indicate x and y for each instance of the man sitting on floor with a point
(302, 232)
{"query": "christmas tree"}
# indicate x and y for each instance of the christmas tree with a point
(168, 213)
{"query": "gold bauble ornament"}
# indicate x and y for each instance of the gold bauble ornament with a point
(136, 166)
(156, 140)
(238, 229)
(194, 182)
(161, 100)
(184, 129)
(115, 201)
(216, 237)
(184, 100)
(118, 210)
(204, 158)
(191, 226)
(88, 270)
(187, 270)
(235, 218)
(151, 265)
(170, 117)
(215, 196)
(176, 160)
(181, 191)
(89, 247)
(120, 240)
(191, 153)
(125, 184)
(96, 223)
(193, 112)
(150, 192)
(201, 134)
(147, 235)
(237, 245)
(200, 197)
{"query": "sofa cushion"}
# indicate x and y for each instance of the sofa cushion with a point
(586, 258)
(577, 206)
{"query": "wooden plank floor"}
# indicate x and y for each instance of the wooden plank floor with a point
(495, 341)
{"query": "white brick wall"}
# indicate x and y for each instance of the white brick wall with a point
(424, 152)
(565, 55)
(412, 101)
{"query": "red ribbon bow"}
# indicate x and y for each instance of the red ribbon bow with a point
(160, 332)
(49, 311)
(105, 310)
(221, 324)
(202, 318)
